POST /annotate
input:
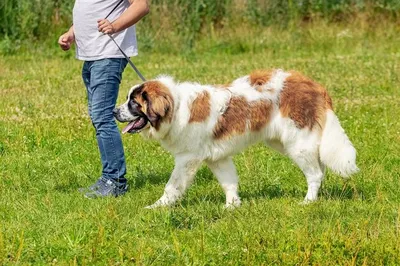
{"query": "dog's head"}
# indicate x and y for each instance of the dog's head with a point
(148, 105)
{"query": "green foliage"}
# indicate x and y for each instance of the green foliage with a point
(8, 46)
(186, 21)
(33, 19)
(198, 14)
(48, 151)
(285, 12)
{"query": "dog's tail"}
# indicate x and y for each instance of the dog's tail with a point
(336, 151)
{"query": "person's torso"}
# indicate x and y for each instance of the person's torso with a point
(92, 44)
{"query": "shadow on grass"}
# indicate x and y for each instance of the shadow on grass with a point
(216, 197)
(270, 192)
(341, 192)
(141, 179)
(137, 181)
(191, 215)
(70, 184)
(333, 192)
(192, 218)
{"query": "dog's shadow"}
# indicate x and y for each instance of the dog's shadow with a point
(342, 191)
(213, 193)
(338, 190)
(205, 178)
(141, 179)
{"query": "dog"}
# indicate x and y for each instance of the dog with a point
(210, 123)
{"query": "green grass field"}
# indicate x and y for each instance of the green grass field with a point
(48, 151)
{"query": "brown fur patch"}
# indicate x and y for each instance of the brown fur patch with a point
(233, 120)
(157, 102)
(259, 114)
(258, 78)
(304, 101)
(239, 112)
(200, 108)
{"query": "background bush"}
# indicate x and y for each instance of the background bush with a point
(183, 21)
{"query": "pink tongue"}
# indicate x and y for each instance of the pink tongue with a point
(128, 127)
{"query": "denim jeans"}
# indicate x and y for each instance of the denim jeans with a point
(102, 79)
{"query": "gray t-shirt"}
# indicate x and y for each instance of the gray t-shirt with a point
(94, 45)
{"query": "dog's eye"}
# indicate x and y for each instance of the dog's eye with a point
(144, 96)
(134, 103)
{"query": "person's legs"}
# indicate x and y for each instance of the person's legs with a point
(102, 79)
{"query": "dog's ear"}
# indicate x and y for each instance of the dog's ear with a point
(159, 106)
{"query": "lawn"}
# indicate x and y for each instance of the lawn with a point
(48, 151)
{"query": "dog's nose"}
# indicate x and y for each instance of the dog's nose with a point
(115, 111)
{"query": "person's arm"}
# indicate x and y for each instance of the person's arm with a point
(67, 39)
(137, 10)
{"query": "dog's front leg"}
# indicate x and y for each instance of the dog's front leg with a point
(181, 178)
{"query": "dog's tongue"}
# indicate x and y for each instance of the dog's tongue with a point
(128, 127)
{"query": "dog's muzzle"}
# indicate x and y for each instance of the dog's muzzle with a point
(135, 123)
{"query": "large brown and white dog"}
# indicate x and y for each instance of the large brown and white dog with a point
(206, 123)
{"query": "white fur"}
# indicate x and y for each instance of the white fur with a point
(194, 143)
(336, 150)
(277, 81)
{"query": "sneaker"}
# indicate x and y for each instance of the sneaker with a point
(105, 188)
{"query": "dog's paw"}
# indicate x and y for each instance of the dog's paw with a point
(306, 202)
(152, 206)
(232, 204)
(156, 204)
(160, 203)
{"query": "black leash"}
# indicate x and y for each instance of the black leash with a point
(115, 7)
(129, 60)
(123, 53)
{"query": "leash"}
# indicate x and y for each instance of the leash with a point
(122, 52)
(129, 60)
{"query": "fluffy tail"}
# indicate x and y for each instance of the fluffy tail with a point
(336, 150)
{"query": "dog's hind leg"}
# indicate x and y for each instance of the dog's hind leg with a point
(225, 172)
(305, 153)
(181, 178)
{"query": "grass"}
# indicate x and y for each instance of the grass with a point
(48, 150)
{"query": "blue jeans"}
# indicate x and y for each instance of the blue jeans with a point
(102, 79)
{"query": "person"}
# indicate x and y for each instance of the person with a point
(102, 72)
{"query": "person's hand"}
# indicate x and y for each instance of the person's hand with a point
(105, 26)
(66, 40)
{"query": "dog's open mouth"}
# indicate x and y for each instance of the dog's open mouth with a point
(135, 126)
